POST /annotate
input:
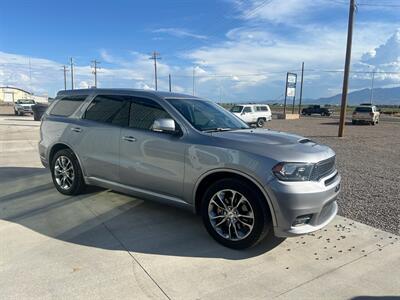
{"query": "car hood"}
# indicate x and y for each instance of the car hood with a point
(277, 145)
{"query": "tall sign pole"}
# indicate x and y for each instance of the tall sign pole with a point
(286, 86)
(169, 82)
(301, 86)
(347, 68)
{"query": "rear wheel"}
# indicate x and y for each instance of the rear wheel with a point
(354, 122)
(260, 122)
(235, 214)
(66, 173)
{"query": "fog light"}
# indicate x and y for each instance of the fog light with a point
(302, 220)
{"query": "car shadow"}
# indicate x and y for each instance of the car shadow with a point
(104, 219)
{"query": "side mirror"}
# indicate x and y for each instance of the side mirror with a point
(164, 125)
(243, 113)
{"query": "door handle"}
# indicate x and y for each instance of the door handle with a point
(129, 138)
(76, 129)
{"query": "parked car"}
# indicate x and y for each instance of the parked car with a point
(253, 113)
(23, 106)
(316, 109)
(365, 114)
(181, 150)
(38, 110)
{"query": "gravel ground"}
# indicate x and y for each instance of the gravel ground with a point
(368, 158)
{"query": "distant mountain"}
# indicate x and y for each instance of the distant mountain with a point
(380, 96)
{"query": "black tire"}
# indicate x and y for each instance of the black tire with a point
(260, 122)
(262, 219)
(354, 122)
(15, 112)
(78, 183)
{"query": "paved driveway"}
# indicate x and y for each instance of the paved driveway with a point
(108, 245)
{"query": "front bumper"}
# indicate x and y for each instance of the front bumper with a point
(316, 200)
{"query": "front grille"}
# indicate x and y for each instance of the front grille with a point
(323, 168)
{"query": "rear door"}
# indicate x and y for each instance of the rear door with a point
(149, 160)
(96, 136)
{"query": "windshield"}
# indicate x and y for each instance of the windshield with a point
(207, 115)
(363, 109)
(26, 102)
(237, 109)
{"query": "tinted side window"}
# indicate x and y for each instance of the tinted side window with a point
(144, 112)
(109, 109)
(67, 105)
(247, 109)
(264, 108)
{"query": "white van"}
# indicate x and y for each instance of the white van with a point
(253, 113)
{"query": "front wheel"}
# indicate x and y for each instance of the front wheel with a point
(66, 173)
(260, 122)
(234, 214)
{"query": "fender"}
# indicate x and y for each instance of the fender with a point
(252, 179)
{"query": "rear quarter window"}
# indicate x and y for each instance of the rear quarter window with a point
(66, 106)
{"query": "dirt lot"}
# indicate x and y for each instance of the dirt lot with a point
(368, 158)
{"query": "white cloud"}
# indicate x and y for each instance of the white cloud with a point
(180, 32)
(279, 11)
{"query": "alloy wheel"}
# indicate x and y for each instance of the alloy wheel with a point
(231, 215)
(64, 172)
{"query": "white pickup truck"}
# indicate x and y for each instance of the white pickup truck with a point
(23, 106)
(253, 113)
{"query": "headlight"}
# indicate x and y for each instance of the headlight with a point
(288, 171)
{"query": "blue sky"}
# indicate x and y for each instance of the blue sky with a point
(240, 50)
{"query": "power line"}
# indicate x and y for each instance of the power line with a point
(257, 8)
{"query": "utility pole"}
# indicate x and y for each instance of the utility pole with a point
(72, 73)
(155, 55)
(301, 86)
(347, 68)
(372, 87)
(95, 67)
(169, 82)
(193, 81)
(65, 70)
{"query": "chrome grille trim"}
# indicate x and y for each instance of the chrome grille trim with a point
(323, 168)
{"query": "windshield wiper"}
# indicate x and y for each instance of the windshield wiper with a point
(217, 129)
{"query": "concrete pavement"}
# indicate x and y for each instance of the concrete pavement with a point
(106, 245)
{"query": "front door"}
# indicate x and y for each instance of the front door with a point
(149, 160)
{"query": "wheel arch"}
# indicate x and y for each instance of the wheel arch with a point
(206, 179)
(60, 146)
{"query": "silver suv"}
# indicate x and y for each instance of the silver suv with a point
(192, 153)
